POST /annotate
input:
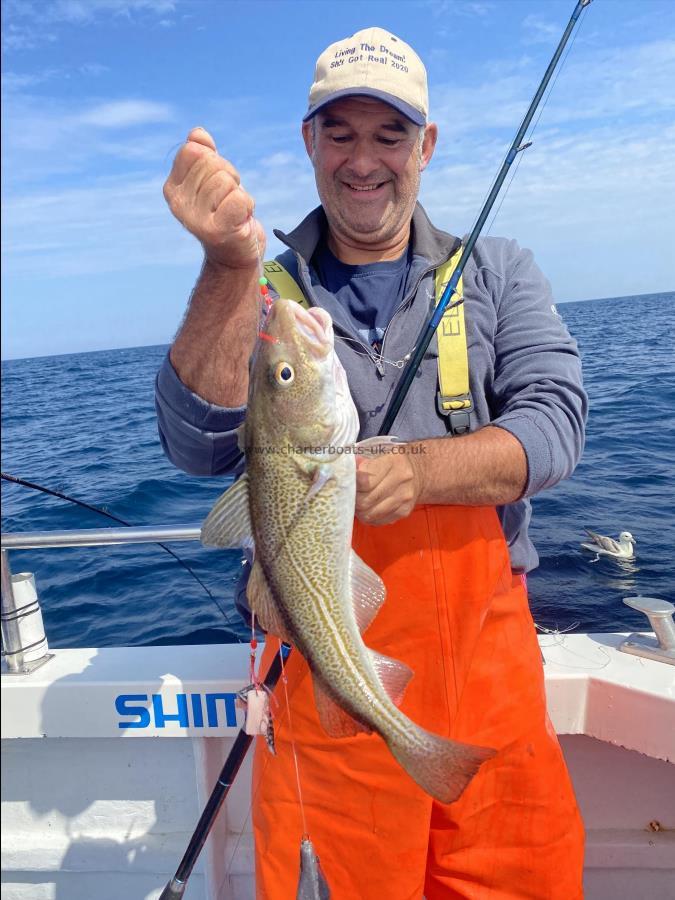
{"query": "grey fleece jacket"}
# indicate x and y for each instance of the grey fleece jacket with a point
(525, 371)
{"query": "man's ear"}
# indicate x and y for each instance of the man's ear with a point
(428, 145)
(308, 138)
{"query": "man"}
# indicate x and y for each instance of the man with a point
(456, 609)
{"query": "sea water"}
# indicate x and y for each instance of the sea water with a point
(84, 425)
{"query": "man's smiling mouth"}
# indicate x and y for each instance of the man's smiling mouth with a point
(362, 188)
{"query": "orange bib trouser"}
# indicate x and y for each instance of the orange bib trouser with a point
(460, 620)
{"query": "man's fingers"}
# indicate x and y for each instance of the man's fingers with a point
(383, 513)
(201, 136)
(202, 170)
(233, 211)
(187, 156)
(368, 474)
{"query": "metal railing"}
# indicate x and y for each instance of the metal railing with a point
(100, 537)
(15, 618)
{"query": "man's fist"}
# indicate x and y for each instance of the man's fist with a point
(388, 486)
(204, 193)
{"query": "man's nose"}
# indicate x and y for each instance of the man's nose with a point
(363, 159)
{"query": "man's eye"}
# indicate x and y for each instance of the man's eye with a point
(388, 142)
(341, 138)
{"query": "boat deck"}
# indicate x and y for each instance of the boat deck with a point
(86, 814)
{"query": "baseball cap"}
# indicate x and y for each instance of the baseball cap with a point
(371, 63)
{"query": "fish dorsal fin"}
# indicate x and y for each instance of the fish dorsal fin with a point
(394, 675)
(368, 591)
(229, 522)
(334, 720)
(262, 603)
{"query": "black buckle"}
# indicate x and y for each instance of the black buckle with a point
(459, 420)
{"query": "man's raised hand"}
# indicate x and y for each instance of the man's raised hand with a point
(204, 193)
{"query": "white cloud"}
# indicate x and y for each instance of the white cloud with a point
(28, 24)
(441, 9)
(93, 69)
(13, 82)
(612, 84)
(108, 225)
(125, 113)
(538, 31)
(51, 137)
(77, 12)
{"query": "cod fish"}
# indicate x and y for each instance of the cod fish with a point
(295, 508)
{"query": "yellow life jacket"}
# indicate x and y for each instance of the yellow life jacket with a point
(454, 398)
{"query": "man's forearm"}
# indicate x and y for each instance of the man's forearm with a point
(212, 348)
(485, 468)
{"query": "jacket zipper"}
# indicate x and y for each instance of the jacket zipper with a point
(376, 360)
(404, 303)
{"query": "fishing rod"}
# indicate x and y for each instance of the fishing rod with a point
(429, 329)
(176, 887)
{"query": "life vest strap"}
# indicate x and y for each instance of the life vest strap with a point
(454, 397)
(284, 283)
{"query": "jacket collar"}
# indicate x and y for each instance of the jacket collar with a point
(429, 242)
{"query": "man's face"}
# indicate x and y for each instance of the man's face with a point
(367, 161)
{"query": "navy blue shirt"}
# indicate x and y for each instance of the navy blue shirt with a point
(370, 294)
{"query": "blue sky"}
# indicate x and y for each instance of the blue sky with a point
(98, 94)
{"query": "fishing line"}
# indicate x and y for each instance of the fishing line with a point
(103, 512)
(284, 681)
(528, 139)
(559, 640)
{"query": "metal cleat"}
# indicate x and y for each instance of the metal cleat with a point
(660, 614)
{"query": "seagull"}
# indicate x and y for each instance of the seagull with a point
(621, 549)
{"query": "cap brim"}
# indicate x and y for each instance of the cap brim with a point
(401, 106)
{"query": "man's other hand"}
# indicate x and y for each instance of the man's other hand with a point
(204, 193)
(388, 486)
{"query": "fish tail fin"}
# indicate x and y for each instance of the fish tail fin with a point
(441, 767)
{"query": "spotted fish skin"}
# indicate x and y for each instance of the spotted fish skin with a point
(297, 502)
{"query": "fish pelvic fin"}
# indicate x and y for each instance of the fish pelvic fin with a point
(262, 603)
(229, 522)
(367, 589)
(441, 767)
(334, 720)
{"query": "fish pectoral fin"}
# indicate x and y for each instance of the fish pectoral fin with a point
(368, 591)
(394, 675)
(262, 603)
(322, 475)
(229, 522)
(334, 720)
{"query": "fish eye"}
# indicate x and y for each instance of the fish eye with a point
(284, 374)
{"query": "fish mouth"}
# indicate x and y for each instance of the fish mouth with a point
(314, 326)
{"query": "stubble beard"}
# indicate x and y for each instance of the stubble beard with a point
(361, 227)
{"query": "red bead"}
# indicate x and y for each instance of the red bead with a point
(264, 289)
(254, 644)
